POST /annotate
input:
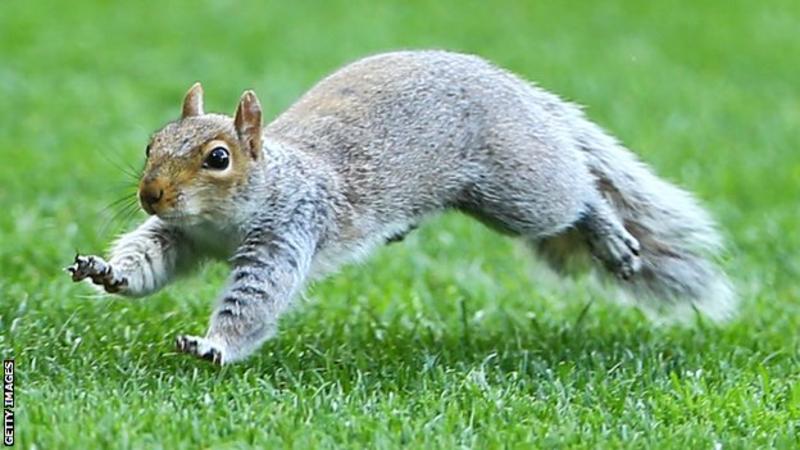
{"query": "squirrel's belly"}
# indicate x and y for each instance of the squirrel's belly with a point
(216, 243)
(348, 250)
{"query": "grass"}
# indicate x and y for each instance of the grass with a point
(448, 339)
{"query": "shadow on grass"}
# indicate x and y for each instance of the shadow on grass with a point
(403, 354)
(394, 357)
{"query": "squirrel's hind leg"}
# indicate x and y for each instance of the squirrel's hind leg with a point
(598, 233)
(609, 241)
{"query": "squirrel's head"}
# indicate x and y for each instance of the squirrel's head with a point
(196, 165)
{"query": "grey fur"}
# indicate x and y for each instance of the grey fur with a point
(383, 143)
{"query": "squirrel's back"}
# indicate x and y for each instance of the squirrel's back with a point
(411, 95)
(423, 120)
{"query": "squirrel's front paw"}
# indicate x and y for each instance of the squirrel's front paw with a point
(201, 347)
(97, 270)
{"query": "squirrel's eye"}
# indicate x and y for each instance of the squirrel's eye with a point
(217, 159)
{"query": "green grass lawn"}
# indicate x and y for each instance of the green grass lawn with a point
(449, 339)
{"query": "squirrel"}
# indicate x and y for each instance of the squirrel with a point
(368, 154)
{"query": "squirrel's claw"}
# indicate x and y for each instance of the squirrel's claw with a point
(203, 348)
(84, 267)
(72, 269)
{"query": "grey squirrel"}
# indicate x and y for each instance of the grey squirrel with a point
(369, 153)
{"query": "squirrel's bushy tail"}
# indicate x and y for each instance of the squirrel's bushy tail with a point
(679, 241)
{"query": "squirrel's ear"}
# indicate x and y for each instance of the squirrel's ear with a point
(193, 102)
(248, 123)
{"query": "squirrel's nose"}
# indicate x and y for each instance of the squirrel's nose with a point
(149, 197)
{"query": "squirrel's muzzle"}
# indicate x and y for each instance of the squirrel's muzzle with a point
(150, 196)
